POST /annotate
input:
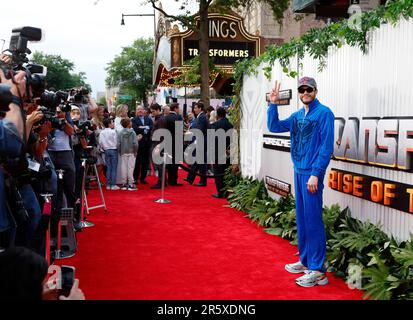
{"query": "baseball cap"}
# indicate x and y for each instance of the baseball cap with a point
(307, 81)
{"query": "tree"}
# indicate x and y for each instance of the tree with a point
(60, 75)
(103, 101)
(277, 6)
(132, 69)
(192, 75)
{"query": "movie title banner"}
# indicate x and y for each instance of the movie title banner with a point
(277, 186)
(388, 193)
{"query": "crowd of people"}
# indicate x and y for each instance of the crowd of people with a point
(51, 149)
(50, 139)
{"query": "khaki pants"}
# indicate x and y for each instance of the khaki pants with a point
(127, 164)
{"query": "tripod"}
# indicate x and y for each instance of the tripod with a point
(87, 165)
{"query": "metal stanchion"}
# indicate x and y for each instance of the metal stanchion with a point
(162, 199)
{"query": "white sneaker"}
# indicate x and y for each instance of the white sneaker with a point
(115, 187)
(312, 278)
(297, 267)
(124, 187)
(131, 187)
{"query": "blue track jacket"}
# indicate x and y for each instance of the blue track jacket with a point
(312, 136)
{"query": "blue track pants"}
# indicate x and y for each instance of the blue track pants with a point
(310, 226)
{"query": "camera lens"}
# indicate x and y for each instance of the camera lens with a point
(37, 83)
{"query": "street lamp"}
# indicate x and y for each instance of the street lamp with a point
(122, 22)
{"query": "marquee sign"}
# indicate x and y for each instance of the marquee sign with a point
(228, 41)
(222, 53)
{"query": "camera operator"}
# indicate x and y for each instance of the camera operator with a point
(83, 141)
(19, 205)
(43, 180)
(34, 177)
(22, 175)
(11, 131)
(61, 153)
(26, 81)
(87, 105)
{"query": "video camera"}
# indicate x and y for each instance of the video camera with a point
(57, 123)
(35, 73)
(76, 95)
(84, 127)
(48, 102)
(51, 100)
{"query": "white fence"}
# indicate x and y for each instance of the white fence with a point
(378, 84)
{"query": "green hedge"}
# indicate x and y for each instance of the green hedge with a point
(386, 265)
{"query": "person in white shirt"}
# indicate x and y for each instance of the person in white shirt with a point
(108, 143)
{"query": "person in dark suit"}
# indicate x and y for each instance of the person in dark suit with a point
(222, 161)
(202, 124)
(142, 125)
(159, 123)
(171, 120)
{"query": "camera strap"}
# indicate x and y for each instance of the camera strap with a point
(16, 100)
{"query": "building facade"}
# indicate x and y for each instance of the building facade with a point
(259, 20)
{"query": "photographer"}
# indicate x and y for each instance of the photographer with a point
(13, 118)
(83, 141)
(11, 133)
(44, 181)
(27, 178)
(60, 151)
(21, 174)
(14, 92)
(82, 99)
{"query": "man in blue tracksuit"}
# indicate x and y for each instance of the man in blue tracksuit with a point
(312, 141)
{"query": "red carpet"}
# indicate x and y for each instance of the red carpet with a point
(192, 248)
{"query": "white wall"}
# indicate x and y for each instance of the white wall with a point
(352, 85)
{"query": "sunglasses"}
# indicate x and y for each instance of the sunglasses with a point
(308, 90)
